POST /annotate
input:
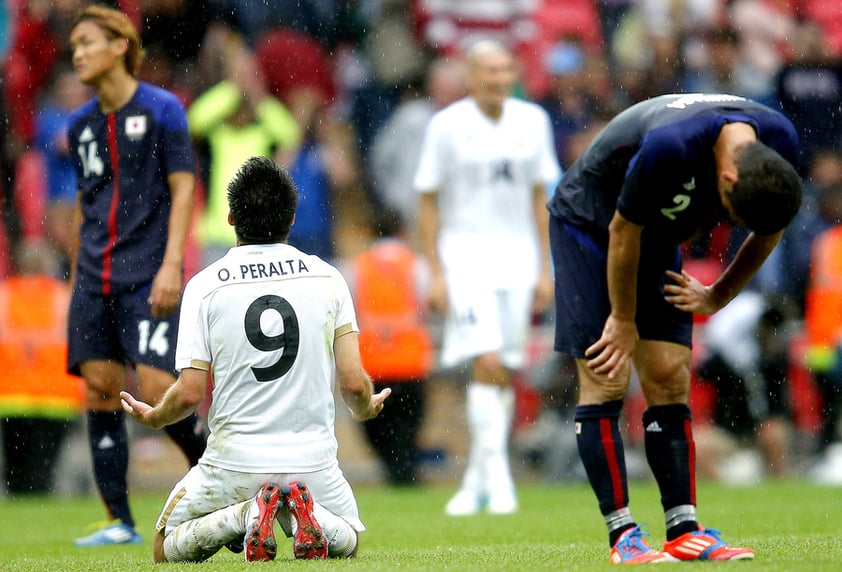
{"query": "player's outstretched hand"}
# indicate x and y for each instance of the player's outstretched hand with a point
(137, 409)
(688, 294)
(375, 405)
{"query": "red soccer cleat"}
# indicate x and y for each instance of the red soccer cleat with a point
(310, 542)
(705, 544)
(260, 537)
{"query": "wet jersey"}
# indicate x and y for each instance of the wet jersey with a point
(654, 164)
(265, 318)
(122, 163)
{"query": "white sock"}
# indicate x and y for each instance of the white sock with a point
(496, 443)
(202, 537)
(481, 400)
(341, 537)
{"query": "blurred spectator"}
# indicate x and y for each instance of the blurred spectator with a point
(325, 21)
(238, 119)
(788, 267)
(557, 21)
(828, 16)
(396, 347)
(611, 15)
(389, 61)
(451, 27)
(656, 40)
(303, 78)
(397, 147)
(660, 71)
(722, 68)
(64, 96)
(809, 90)
(823, 307)
(175, 27)
(765, 27)
(747, 362)
(37, 43)
(325, 168)
(566, 102)
(38, 400)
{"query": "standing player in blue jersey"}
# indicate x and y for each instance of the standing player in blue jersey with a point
(134, 165)
(659, 173)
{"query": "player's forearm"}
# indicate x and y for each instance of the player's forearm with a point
(76, 226)
(428, 230)
(354, 383)
(622, 265)
(542, 225)
(750, 257)
(356, 392)
(213, 107)
(180, 400)
(276, 119)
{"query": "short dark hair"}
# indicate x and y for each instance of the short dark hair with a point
(262, 199)
(767, 194)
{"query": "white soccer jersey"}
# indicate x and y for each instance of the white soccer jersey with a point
(485, 171)
(265, 318)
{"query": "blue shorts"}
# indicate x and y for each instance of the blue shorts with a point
(581, 291)
(119, 327)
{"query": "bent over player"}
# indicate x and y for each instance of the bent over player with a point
(658, 174)
(276, 328)
(134, 166)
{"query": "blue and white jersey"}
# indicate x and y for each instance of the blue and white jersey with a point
(122, 162)
(654, 164)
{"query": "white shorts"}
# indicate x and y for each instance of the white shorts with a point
(481, 320)
(205, 489)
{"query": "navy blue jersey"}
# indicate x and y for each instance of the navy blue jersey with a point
(654, 164)
(122, 163)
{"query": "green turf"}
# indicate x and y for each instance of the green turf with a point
(792, 526)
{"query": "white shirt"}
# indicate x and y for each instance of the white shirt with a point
(265, 318)
(485, 172)
(732, 331)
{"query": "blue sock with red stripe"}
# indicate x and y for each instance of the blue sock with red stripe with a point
(668, 440)
(603, 456)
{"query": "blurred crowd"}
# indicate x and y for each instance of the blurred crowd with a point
(340, 92)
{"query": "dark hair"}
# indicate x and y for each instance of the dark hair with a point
(262, 199)
(117, 25)
(767, 194)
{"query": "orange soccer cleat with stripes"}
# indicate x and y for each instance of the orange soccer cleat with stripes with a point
(632, 548)
(705, 544)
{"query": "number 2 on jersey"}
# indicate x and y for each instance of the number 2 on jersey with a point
(286, 341)
(681, 203)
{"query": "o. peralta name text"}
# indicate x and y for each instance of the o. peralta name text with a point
(258, 270)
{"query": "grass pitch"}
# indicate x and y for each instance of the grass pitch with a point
(791, 525)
